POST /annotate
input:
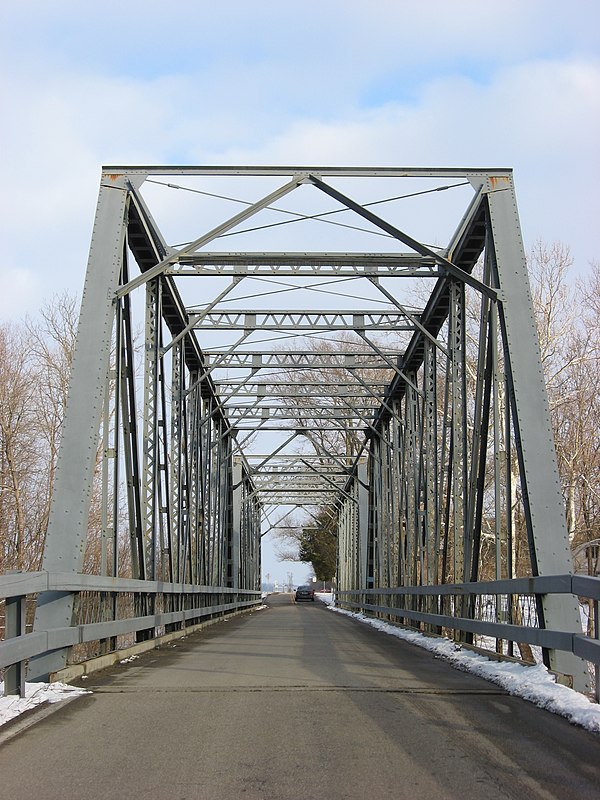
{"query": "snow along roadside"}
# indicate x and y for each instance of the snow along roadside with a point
(534, 683)
(35, 695)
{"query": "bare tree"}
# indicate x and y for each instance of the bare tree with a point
(567, 315)
(35, 365)
(51, 343)
(20, 466)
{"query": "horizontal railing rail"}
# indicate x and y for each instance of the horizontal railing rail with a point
(463, 618)
(175, 605)
(19, 583)
(580, 585)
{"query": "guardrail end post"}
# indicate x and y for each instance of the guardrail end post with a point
(596, 666)
(14, 674)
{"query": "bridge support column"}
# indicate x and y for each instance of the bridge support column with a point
(363, 527)
(67, 527)
(235, 533)
(543, 501)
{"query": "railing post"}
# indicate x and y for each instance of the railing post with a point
(14, 675)
(596, 666)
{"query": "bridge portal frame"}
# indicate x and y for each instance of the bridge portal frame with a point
(492, 218)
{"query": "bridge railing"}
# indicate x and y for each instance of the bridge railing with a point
(503, 610)
(111, 612)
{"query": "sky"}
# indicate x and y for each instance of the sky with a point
(502, 83)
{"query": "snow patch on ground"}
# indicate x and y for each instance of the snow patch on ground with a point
(325, 597)
(35, 695)
(534, 683)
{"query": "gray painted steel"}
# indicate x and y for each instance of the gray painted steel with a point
(67, 527)
(396, 435)
(546, 519)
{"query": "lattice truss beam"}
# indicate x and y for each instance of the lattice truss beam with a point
(298, 373)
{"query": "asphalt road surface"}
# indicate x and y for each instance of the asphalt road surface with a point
(295, 701)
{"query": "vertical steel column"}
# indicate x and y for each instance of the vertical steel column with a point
(67, 527)
(411, 443)
(204, 474)
(175, 466)
(353, 534)
(497, 382)
(432, 516)
(362, 527)
(445, 480)
(235, 531)
(479, 439)
(150, 435)
(395, 492)
(194, 462)
(247, 551)
(165, 556)
(14, 625)
(544, 506)
(376, 500)
(131, 455)
(256, 561)
(456, 347)
(221, 505)
(108, 456)
(402, 459)
(386, 508)
(346, 554)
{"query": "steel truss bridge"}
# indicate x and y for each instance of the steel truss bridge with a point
(335, 368)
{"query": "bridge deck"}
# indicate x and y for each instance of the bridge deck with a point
(291, 702)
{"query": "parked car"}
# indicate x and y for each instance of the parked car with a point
(305, 593)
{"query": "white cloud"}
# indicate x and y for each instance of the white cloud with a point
(372, 85)
(541, 118)
(152, 38)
